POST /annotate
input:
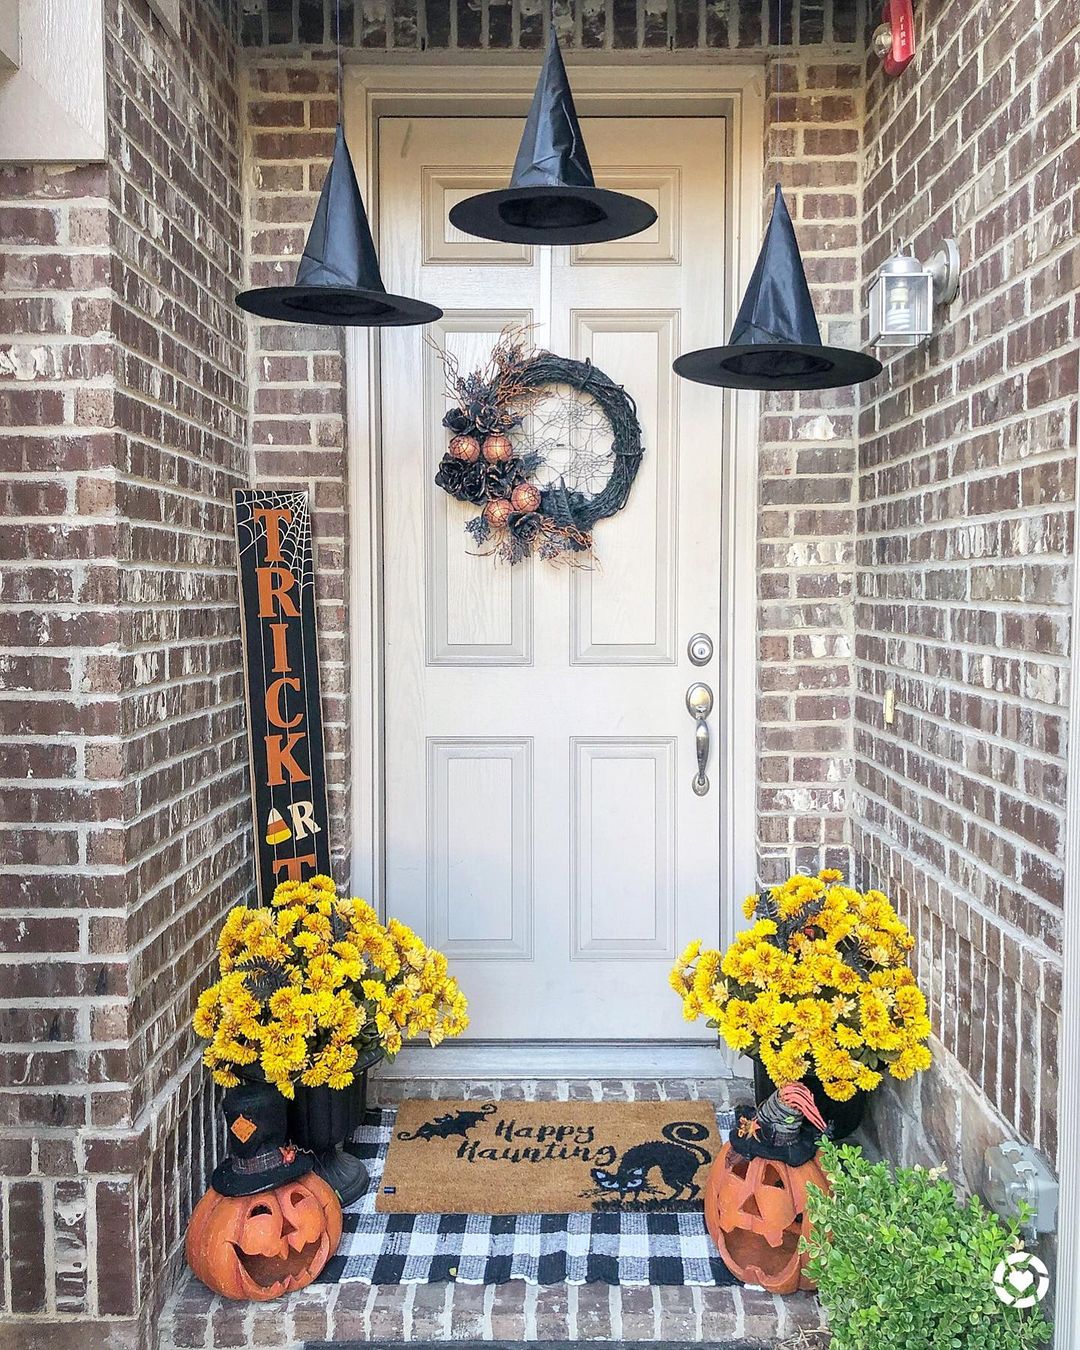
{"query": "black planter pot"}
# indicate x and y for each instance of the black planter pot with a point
(321, 1119)
(843, 1118)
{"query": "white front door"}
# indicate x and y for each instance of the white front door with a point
(541, 825)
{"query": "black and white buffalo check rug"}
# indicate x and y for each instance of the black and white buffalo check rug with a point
(607, 1247)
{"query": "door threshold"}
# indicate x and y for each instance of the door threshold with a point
(488, 1060)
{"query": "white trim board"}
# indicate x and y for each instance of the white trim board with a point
(52, 94)
(486, 1061)
(736, 93)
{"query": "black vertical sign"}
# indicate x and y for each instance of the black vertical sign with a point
(281, 665)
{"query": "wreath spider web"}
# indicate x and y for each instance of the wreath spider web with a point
(294, 536)
(568, 436)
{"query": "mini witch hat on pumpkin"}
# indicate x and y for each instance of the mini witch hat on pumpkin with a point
(338, 280)
(786, 1127)
(775, 342)
(552, 197)
(260, 1156)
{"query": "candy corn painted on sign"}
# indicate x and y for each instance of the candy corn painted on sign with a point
(281, 662)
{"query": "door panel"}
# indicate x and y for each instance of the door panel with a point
(623, 897)
(540, 824)
(481, 896)
(624, 610)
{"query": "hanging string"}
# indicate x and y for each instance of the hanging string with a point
(779, 74)
(337, 44)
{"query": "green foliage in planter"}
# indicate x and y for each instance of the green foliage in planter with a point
(901, 1264)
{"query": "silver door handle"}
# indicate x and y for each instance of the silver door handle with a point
(699, 703)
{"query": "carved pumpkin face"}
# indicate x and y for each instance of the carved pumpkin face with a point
(755, 1210)
(262, 1246)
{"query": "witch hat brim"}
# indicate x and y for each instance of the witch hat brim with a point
(775, 342)
(776, 365)
(344, 306)
(552, 197)
(338, 280)
(229, 1178)
(548, 214)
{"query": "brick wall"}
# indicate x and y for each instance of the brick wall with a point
(806, 505)
(122, 755)
(58, 577)
(807, 486)
(965, 528)
(620, 25)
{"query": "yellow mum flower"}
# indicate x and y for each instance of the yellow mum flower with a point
(811, 993)
(305, 984)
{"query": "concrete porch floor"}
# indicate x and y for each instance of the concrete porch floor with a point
(194, 1317)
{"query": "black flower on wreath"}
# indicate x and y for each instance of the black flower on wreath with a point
(503, 478)
(526, 525)
(457, 422)
(476, 483)
(479, 482)
(450, 473)
(486, 417)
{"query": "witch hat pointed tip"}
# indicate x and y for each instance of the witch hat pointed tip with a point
(777, 305)
(340, 250)
(552, 150)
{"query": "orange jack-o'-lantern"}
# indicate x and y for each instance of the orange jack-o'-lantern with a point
(755, 1209)
(265, 1245)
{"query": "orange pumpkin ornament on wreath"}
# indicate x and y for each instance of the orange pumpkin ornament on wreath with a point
(755, 1197)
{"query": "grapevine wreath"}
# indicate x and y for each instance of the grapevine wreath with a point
(544, 445)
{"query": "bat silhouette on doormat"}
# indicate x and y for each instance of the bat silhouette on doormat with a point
(454, 1122)
(676, 1157)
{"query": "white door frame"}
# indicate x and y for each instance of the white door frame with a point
(737, 92)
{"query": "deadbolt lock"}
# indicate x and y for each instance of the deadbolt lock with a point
(700, 649)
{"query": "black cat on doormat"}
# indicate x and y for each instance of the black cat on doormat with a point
(676, 1159)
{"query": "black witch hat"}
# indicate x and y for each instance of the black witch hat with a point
(338, 279)
(552, 197)
(260, 1156)
(775, 343)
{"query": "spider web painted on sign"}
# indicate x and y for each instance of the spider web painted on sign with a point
(294, 535)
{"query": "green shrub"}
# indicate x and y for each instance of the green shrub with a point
(901, 1264)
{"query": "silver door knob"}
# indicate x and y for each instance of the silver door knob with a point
(699, 704)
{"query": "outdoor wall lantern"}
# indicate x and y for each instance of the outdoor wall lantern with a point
(905, 292)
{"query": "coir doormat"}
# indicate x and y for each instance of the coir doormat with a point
(607, 1247)
(457, 1157)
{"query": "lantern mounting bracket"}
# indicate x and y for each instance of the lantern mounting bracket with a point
(944, 268)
